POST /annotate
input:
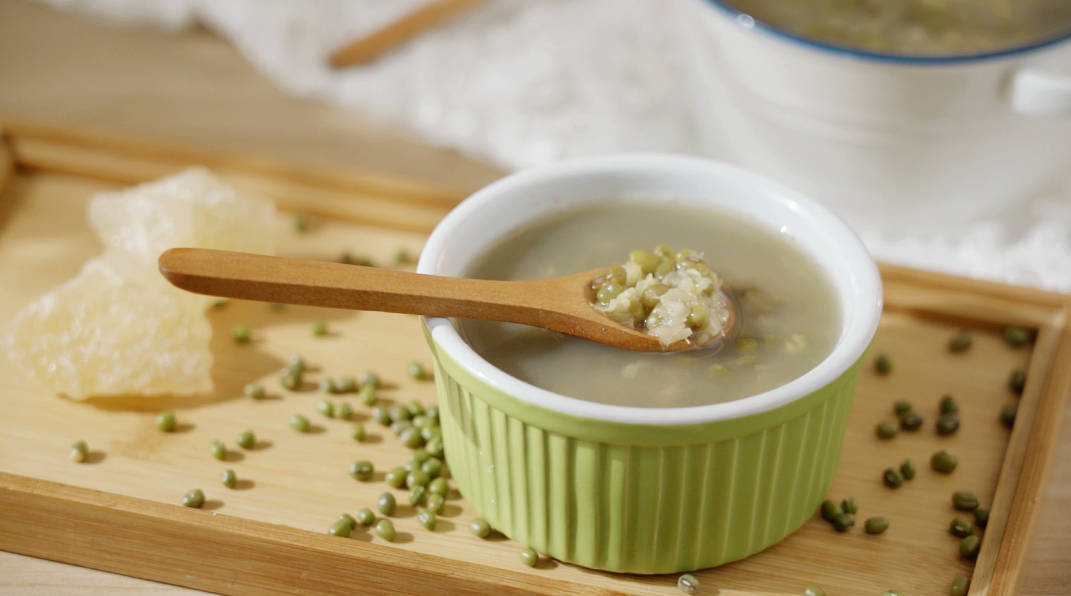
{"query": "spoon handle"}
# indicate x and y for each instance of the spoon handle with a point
(321, 283)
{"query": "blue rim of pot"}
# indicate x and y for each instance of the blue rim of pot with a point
(747, 21)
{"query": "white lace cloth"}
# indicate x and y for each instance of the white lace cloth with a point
(522, 83)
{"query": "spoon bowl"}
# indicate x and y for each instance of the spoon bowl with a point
(561, 304)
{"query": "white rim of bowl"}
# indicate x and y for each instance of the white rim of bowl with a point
(856, 333)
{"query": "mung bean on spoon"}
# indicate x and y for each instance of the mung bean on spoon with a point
(562, 304)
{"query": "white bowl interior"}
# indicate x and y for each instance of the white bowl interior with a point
(511, 203)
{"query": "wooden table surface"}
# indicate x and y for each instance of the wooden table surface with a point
(193, 88)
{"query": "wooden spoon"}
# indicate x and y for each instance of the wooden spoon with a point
(560, 303)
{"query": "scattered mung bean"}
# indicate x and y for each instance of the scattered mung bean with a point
(1007, 415)
(381, 415)
(385, 530)
(435, 503)
(217, 449)
(242, 334)
(299, 423)
(350, 521)
(362, 470)
(969, 547)
(416, 409)
(396, 477)
(960, 342)
(246, 439)
(325, 407)
(369, 378)
(892, 478)
(426, 519)
(411, 437)
(883, 364)
(358, 433)
(193, 498)
(1016, 336)
(368, 395)
(417, 495)
(479, 527)
(343, 411)
(886, 430)
(386, 503)
(964, 500)
(415, 371)
(1017, 382)
(943, 462)
(910, 421)
(947, 424)
(79, 451)
(319, 328)
(947, 405)
(902, 407)
(843, 521)
(849, 506)
(165, 421)
(291, 380)
(438, 486)
(961, 584)
(228, 478)
(417, 478)
(876, 525)
(300, 223)
(907, 469)
(981, 517)
(959, 527)
(255, 391)
(813, 590)
(433, 467)
(529, 557)
(365, 517)
(830, 510)
(346, 385)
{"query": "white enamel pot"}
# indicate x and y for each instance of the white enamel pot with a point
(905, 141)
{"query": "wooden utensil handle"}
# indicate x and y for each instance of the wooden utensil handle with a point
(321, 283)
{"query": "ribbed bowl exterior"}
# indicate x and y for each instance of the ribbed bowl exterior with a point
(640, 500)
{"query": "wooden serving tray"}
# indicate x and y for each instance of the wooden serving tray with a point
(120, 511)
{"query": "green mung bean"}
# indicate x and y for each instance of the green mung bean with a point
(843, 521)
(426, 519)
(947, 405)
(386, 503)
(242, 334)
(910, 421)
(348, 519)
(901, 407)
(849, 506)
(947, 424)
(346, 385)
(886, 430)
(246, 439)
(358, 433)
(435, 503)
(396, 477)
(380, 415)
(385, 530)
(969, 547)
(340, 528)
(362, 470)
(79, 451)
(907, 469)
(883, 364)
(415, 370)
(964, 500)
(1007, 415)
(365, 517)
(981, 517)
(217, 450)
(943, 462)
(960, 342)
(1017, 382)
(299, 423)
(193, 498)
(961, 584)
(319, 328)
(529, 557)
(830, 510)
(876, 525)
(479, 527)
(1016, 336)
(325, 407)
(959, 527)
(892, 478)
(165, 421)
(255, 391)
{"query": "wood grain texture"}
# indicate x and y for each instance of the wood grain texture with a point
(297, 483)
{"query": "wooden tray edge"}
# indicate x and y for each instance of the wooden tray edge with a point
(51, 520)
(1019, 486)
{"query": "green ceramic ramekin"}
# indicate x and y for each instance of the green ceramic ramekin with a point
(647, 490)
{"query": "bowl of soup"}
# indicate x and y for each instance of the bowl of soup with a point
(652, 462)
(899, 114)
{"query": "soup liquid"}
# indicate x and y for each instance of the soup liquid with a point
(790, 316)
(917, 27)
